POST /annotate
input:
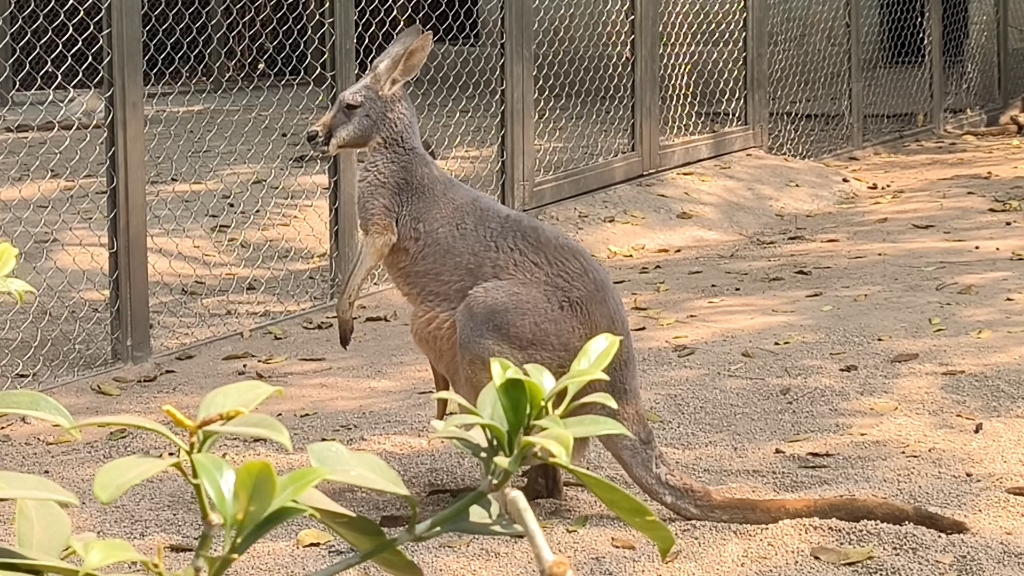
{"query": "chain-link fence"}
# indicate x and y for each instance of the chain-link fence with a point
(235, 223)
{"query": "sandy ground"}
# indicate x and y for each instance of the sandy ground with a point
(777, 294)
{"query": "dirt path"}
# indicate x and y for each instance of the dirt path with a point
(768, 299)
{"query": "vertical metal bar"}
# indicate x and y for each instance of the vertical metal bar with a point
(938, 66)
(646, 84)
(126, 182)
(6, 74)
(342, 170)
(856, 74)
(757, 69)
(1003, 39)
(518, 97)
(218, 42)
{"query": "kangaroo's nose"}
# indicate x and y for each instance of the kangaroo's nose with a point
(312, 136)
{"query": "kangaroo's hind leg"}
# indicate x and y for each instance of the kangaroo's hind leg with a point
(522, 323)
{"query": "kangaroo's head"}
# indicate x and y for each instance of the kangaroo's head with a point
(376, 107)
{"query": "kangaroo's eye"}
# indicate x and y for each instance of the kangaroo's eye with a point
(352, 106)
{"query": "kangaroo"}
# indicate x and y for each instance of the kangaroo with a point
(1009, 123)
(485, 280)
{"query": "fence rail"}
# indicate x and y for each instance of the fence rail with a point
(154, 173)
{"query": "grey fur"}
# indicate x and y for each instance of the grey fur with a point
(485, 280)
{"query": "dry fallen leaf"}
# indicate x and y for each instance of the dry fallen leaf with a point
(935, 320)
(185, 355)
(827, 308)
(922, 226)
(968, 290)
(312, 358)
(623, 544)
(884, 406)
(117, 434)
(797, 438)
(686, 352)
(849, 368)
(814, 294)
(937, 329)
(715, 300)
(666, 321)
(313, 537)
(843, 556)
(457, 543)
(860, 297)
(393, 521)
(981, 333)
(747, 353)
(105, 389)
(638, 306)
(238, 356)
(907, 357)
(388, 317)
(652, 417)
(786, 341)
(945, 558)
(1015, 490)
(953, 372)
(273, 360)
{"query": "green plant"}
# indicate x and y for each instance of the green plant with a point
(8, 284)
(520, 418)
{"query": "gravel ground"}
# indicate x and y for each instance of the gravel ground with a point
(794, 284)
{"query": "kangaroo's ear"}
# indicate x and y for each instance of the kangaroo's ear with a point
(404, 66)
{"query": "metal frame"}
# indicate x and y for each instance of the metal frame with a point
(126, 183)
(938, 67)
(343, 170)
(517, 119)
(1003, 47)
(856, 15)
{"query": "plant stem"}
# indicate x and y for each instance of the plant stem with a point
(416, 533)
(547, 563)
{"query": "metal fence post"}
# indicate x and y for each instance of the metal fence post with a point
(938, 66)
(517, 118)
(317, 43)
(6, 74)
(757, 69)
(646, 82)
(1003, 39)
(126, 183)
(342, 171)
(856, 74)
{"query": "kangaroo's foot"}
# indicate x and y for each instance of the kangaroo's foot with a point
(544, 481)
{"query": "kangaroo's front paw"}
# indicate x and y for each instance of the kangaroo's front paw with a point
(346, 326)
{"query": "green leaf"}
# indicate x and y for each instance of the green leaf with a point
(272, 520)
(464, 440)
(501, 369)
(17, 288)
(457, 421)
(453, 397)
(218, 482)
(41, 527)
(515, 402)
(542, 376)
(602, 398)
(255, 489)
(597, 353)
(573, 382)
(489, 405)
(254, 426)
(554, 440)
(8, 258)
(137, 422)
(21, 486)
(103, 553)
(360, 469)
(550, 421)
(36, 405)
(21, 562)
(360, 532)
(245, 395)
(625, 506)
(115, 478)
(292, 485)
(484, 519)
(592, 425)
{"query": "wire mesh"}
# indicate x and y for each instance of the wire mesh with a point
(238, 209)
(703, 69)
(53, 190)
(583, 79)
(970, 56)
(1015, 45)
(896, 60)
(459, 92)
(808, 77)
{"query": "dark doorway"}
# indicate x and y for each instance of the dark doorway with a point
(453, 22)
(905, 25)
